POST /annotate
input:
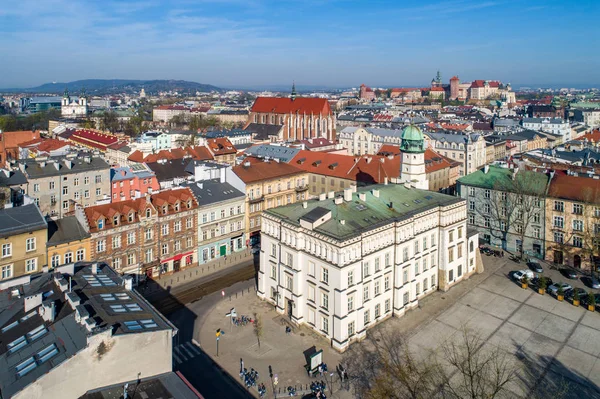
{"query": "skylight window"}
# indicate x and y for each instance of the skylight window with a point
(16, 344)
(31, 336)
(119, 296)
(127, 307)
(136, 325)
(38, 359)
(99, 280)
(36, 333)
(26, 366)
(11, 325)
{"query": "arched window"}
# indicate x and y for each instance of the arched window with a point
(148, 213)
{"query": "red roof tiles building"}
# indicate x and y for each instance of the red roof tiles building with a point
(198, 153)
(302, 117)
(10, 141)
(153, 235)
(222, 150)
(93, 139)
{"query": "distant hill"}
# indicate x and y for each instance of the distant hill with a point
(111, 86)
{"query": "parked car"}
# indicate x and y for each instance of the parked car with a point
(584, 300)
(571, 293)
(535, 266)
(591, 282)
(568, 273)
(553, 289)
(518, 275)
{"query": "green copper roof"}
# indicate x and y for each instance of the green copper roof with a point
(498, 178)
(395, 202)
(412, 139)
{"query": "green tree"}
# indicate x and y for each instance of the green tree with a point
(8, 123)
(109, 121)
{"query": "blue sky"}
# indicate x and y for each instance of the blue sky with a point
(235, 43)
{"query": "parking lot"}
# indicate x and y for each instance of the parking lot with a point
(554, 343)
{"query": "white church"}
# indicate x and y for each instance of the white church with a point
(74, 108)
(347, 261)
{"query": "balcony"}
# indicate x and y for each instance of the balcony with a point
(255, 200)
(300, 189)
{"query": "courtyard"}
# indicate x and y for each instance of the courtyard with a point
(553, 342)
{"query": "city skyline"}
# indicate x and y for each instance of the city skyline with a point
(233, 43)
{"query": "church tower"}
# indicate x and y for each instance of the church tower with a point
(83, 98)
(412, 148)
(66, 100)
(294, 94)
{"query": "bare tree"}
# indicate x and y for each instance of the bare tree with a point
(383, 366)
(475, 372)
(258, 328)
(512, 206)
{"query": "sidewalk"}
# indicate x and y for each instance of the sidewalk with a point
(195, 273)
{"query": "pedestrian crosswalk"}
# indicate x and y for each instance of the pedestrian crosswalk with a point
(184, 352)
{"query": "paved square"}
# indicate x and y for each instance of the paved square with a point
(553, 342)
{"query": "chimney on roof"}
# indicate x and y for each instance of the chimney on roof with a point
(342, 222)
(32, 302)
(330, 194)
(486, 169)
(338, 200)
(375, 193)
(95, 268)
(305, 205)
(48, 311)
(353, 188)
(348, 194)
(362, 196)
(322, 197)
(385, 180)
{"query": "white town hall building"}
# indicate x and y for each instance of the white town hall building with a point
(346, 261)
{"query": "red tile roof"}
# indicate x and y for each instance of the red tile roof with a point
(591, 136)
(575, 188)
(123, 208)
(435, 161)
(253, 170)
(481, 83)
(51, 145)
(389, 149)
(220, 146)
(13, 139)
(436, 89)
(93, 139)
(172, 197)
(364, 169)
(454, 78)
(198, 153)
(283, 105)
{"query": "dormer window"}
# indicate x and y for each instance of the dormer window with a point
(131, 216)
(116, 220)
(189, 204)
(148, 213)
(177, 207)
(100, 223)
(164, 210)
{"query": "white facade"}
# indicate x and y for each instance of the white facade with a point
(74, 109)
(340, 287)
(412, 170)
(359, 141)
(549, 125)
